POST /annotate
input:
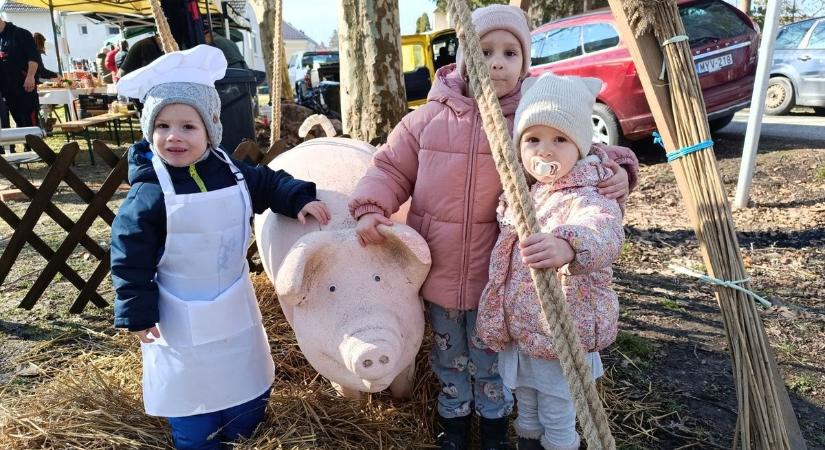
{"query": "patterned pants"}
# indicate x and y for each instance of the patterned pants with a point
(466, 368)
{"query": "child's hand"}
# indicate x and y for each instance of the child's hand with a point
(143, 335)
(616, 187)
(367, 228)
(544, 251)
(317, 209)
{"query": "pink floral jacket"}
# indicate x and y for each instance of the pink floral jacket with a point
(570, 209)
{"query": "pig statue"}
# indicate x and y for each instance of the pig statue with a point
(355, 310)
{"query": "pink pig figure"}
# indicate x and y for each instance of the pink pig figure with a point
(355, 310)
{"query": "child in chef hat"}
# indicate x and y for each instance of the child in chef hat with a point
(581, 235)
(178, 254)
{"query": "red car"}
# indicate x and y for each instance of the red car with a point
(723, 41)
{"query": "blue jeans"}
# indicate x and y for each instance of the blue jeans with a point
(210, 430)
(466, 367)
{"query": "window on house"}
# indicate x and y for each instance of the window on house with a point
(112, 30)
(84, 29)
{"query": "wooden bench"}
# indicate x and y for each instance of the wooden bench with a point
(111, 120)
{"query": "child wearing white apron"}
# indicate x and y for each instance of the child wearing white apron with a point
(179, 255)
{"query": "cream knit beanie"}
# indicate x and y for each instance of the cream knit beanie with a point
(564, 103)
(500, 17)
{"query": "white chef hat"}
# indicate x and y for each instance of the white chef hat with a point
(186, 77)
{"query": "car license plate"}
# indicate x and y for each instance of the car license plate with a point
(714, 64)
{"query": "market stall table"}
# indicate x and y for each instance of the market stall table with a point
(67, 96)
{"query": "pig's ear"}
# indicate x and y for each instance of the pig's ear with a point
(413, 246)
(304, 261)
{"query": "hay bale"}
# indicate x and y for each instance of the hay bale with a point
(93, 401)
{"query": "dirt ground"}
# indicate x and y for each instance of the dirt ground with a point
(669, 372)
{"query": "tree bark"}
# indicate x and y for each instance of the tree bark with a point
(266, 23)
(745, 6)
(373, 99)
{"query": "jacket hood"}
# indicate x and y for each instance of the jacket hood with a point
(449, 89)
(140, 163)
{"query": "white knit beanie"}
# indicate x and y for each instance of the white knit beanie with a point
(500, 17)
(564, 103)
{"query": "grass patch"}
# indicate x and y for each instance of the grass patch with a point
(635, 349)
(627, 247)
(819, 173)
(802, 383)
(698, 267)
(671, 304)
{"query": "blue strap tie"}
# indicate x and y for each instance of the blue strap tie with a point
(673, 156)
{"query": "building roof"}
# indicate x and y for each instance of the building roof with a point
(293, 34)
(9, 6)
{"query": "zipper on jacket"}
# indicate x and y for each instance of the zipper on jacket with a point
(468, 205)
(194, 174)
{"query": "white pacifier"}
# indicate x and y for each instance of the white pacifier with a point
(545, 168)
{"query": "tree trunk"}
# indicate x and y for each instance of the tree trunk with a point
(587, 5)
(745, 6)
(373, 99)
(266, 25)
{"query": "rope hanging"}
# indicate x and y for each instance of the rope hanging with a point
(592, 417)
(277, 81)
(164, 32)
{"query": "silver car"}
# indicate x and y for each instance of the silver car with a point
(798, 72)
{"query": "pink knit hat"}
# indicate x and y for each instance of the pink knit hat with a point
(501, 17)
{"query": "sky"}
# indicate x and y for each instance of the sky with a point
(318, 20)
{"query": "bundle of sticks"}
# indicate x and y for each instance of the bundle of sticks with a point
(765, 419)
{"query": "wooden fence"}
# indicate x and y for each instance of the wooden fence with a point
(60, 171)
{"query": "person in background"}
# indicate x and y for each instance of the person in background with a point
(100, 65)
(141, 54)
(109, 62)
(42, 72)
(234, 58)
(19, 62)
(121, 55)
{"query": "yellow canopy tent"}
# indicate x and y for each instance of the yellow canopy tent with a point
(137, 7)
(126, 7)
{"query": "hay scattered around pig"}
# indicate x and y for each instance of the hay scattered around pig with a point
(90, 398)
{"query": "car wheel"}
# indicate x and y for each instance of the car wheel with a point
(605, 125)
(719, 122)
(779, 99)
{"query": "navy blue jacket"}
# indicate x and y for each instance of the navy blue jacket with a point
(139, 230)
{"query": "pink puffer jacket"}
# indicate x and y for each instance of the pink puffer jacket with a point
(439, 155)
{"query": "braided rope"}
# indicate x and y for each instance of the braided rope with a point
(277, 81)
(592, 417)
(164, 32)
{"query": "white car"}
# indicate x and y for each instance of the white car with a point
(299, 62)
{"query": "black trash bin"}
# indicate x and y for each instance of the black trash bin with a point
(238, 100)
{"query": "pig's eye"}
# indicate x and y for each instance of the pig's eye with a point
(332, 288)
(376, 277)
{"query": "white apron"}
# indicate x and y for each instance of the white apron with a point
(213, 352)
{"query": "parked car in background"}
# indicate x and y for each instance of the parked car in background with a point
(300, 62)
(798, 70)
(421, 55)
(723, 42)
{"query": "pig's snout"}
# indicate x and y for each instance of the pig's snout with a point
(370, 359)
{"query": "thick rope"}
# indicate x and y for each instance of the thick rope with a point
(277, 81)
(595, 426)
(164, 32)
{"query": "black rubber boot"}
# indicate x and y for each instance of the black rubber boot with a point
(529, 444)
(493, 434)
(454, 433)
